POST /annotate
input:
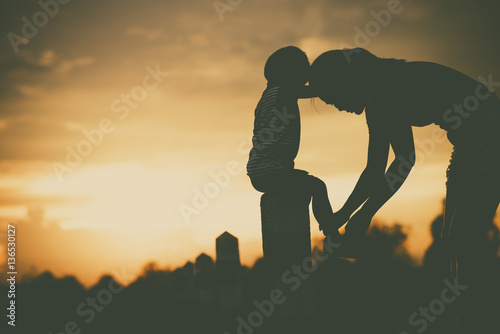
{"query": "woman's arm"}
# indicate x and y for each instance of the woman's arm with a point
(373, 174)
(404, 160)
(382, 189)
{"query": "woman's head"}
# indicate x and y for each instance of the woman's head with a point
(342, 78)
(288, 66)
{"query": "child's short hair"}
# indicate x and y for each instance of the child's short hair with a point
(288, 64)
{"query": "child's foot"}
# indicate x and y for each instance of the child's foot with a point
(331, 236)
(350, 247)
(335, 236)
(331, 232)
(332, 242)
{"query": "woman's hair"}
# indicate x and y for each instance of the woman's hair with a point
(289, 64)
(349, 66)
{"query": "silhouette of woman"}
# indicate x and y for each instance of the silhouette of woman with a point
(396, 95)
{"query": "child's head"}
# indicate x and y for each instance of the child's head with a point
(288, 66)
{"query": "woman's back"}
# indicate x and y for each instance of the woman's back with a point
(422, 93)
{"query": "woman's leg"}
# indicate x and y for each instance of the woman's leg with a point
(449, 212)
(469, 213)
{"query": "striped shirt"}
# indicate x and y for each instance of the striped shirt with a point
(276, 134)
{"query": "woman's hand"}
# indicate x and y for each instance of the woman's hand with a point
(339, 219)
(358, 224)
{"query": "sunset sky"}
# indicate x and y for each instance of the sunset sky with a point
(172, 86)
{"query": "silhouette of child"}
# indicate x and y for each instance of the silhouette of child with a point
(276, 134)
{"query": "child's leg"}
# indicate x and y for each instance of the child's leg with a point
(321, 206)
(298, 181)
(312, 185)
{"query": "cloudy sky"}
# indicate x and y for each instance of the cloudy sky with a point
(116, 115)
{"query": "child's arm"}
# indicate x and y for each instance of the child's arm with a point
(306, 92)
